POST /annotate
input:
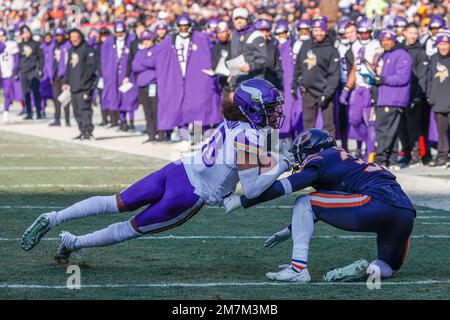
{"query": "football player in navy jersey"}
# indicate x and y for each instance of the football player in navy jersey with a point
(351, 195)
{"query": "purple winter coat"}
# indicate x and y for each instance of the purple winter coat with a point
(397, 72)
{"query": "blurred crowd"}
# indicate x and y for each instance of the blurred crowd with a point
(375, 71)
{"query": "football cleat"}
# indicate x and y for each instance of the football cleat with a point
(66, 247)
(355, 271)
(289, 275)
(35, 232)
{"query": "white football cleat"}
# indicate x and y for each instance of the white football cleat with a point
(355, 271)
(66, 247)
(289, 275)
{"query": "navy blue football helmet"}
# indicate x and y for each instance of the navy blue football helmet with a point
(259, 101)
(311, 141)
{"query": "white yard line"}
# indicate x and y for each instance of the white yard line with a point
(221, 284)
(78, 186)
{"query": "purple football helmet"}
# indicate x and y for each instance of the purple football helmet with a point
(183, 19)
(212, 23)
(281, 26)
(263, 24)
(2, 32)
(364, 24)
(436, 22)
(147, 35)
(259, 100)
(59, 31)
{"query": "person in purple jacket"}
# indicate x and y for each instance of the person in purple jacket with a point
(48, 46)
(393, 79)
(60, 56)
(143, 66)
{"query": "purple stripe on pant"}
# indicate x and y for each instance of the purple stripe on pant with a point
(169, 195)
(8, 87)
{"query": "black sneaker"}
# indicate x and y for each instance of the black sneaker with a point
(79, 137)
(28, 117)
(39, 116)
(67, 124)
(55, 124)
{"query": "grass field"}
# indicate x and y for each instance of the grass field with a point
(213, 256)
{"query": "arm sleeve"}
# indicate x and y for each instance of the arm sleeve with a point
(89, 72)
(254, 184)
(333, 75)
(422, 71)
(40, 59)
(259, 56)
(285, 186)
(402, 75)
(68, 70)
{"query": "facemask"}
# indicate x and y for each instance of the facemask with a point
(282, 40)
(401, 39)
(184, 34)
(121, 38)
(365, 42)
(345, 41)
(304, 37)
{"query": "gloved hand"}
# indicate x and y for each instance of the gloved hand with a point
(40, 74)
(277, 238)
(343, 98)
(379, 80)
(232, 203)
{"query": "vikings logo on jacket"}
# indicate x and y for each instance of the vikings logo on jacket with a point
(74, 59)
(442, 72)
(311, 59)
(27, 51)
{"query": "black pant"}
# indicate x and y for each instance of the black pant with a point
(57, 90)
(311, 107)
(31, 85)
(82, 110)
(150, 105)
(443, 125)
(386, 129)
(409, 130)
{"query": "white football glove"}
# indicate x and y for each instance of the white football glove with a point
(232, 203)
(277, 238)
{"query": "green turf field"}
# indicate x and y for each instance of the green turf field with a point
(212, 256)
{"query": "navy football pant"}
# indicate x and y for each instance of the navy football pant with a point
(362, 213)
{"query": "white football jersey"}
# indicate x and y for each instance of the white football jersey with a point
(7, 59)
(342, 49)
(430, 46)
(364, 55)
(213, 170)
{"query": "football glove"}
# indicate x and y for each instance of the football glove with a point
(232, 203)
(277, 238)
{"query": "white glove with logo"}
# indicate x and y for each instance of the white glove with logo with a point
(232, 203)
(277, 238)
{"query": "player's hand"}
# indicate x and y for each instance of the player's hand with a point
(245, 67)
(232, 203)
(277, 238)
(343, 98)
(126, 80)
(65, 87)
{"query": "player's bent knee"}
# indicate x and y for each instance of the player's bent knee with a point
(303, 205)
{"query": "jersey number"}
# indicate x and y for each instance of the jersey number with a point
(210, 151)
(370, 167)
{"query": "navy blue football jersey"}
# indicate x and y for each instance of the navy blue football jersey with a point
(340, 171)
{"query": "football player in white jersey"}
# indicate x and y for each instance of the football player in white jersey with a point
(360, 78)
(9, 61)
(436, 23)
(175, 193)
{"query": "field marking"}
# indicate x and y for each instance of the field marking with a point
(79, 186)
(349, 237)
(221, 284)
(78, 168)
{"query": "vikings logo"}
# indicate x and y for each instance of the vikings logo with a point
(442, 72)
(27, 51)
(74, 59)
(305, 137)
(311, 60)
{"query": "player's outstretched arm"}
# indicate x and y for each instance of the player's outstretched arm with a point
(285, 186)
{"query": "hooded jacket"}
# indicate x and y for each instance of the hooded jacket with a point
(317, 68)
(438, 91)
(420, 71)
